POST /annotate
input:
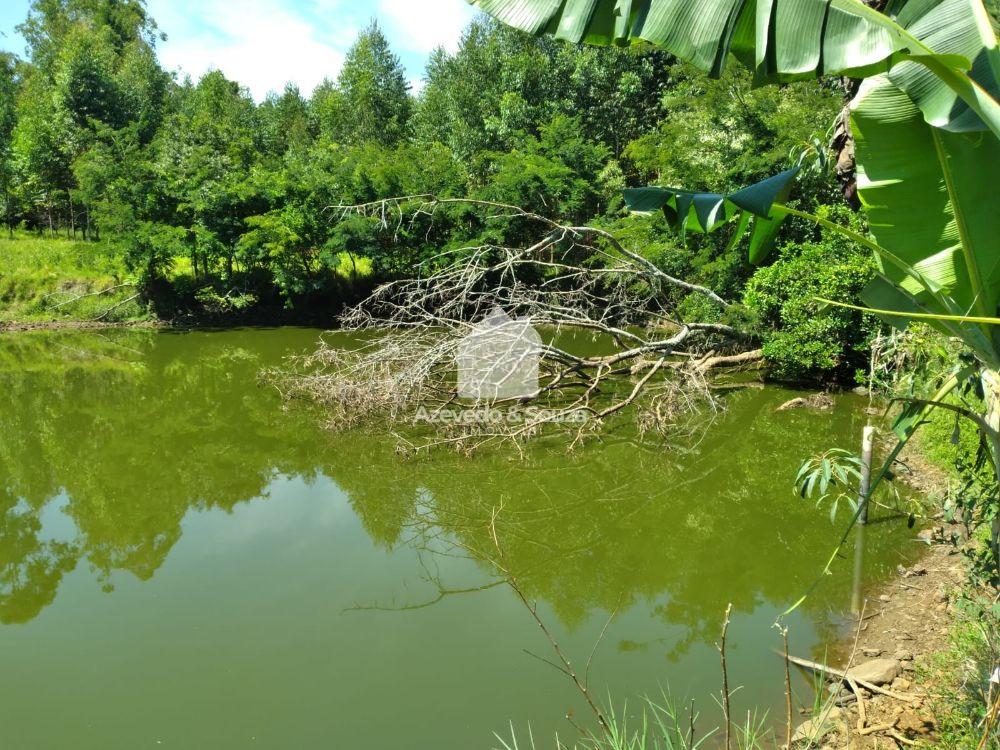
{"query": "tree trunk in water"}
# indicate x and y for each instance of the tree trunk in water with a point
(991, 393)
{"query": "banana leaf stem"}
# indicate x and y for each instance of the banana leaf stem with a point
(914, 315)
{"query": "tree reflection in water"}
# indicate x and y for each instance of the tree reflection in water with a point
(133, 430)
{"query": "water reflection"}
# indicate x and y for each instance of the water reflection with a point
(137, 429)
(221, 524)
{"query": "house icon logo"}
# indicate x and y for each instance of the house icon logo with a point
(498, 359)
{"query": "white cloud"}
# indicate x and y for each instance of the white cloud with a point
(263, 44)
(422, 26)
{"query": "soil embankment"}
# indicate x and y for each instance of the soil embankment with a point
(903, 625)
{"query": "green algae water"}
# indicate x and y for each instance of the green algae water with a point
(187, 562)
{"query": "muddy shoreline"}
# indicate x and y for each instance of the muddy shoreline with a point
(903, 624)
(78, 325)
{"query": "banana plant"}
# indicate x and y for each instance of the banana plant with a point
(926, 122)
(788, 40)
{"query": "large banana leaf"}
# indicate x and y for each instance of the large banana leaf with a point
(704, 212)
(781, 39)
(787, 40)
(930, 193)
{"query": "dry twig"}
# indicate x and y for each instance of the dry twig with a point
(572, 279)
(788, 691)
(567, 666)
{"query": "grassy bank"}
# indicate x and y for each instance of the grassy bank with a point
(46, 279)
(53, 280)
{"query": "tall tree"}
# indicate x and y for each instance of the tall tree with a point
(49, 21)
(375, 94)
(8, 118)
(84, 78)
(206, 151)
(502, 84)
(93, 72)
(285, 121)
(325, 111)
(42, 150)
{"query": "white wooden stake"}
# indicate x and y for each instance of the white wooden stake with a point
(866, 472)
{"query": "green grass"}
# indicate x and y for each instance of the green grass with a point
(962, 676)
(41, 277)
(353, 267)
(46, 279)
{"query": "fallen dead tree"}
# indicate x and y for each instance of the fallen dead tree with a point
(570, 283)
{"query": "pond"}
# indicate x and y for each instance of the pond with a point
(186, 563)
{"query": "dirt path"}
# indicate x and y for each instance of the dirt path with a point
(905, 623)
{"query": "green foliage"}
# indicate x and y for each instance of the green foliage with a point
(802, 338)
(962, 676)
(721, 135)
(49, 21)
(84, 78)
(374, 104)
(285, 122)
(833, 476)
(9, 85)
(501, 85)
(208, 197)
(40, 278)
(923, 360)
(553, 174)
(92, 71)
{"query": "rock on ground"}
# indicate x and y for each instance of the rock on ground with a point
(876, 671)
(813, 730)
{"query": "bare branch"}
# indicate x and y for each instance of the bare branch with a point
(607, 316)
(90, 294)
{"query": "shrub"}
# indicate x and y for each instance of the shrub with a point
(802, 337)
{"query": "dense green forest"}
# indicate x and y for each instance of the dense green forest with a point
(214, 205)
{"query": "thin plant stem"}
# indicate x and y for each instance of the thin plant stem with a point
(788, 691)
(533, 609)
(725, 677)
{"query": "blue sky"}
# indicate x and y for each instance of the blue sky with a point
(264, 43)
